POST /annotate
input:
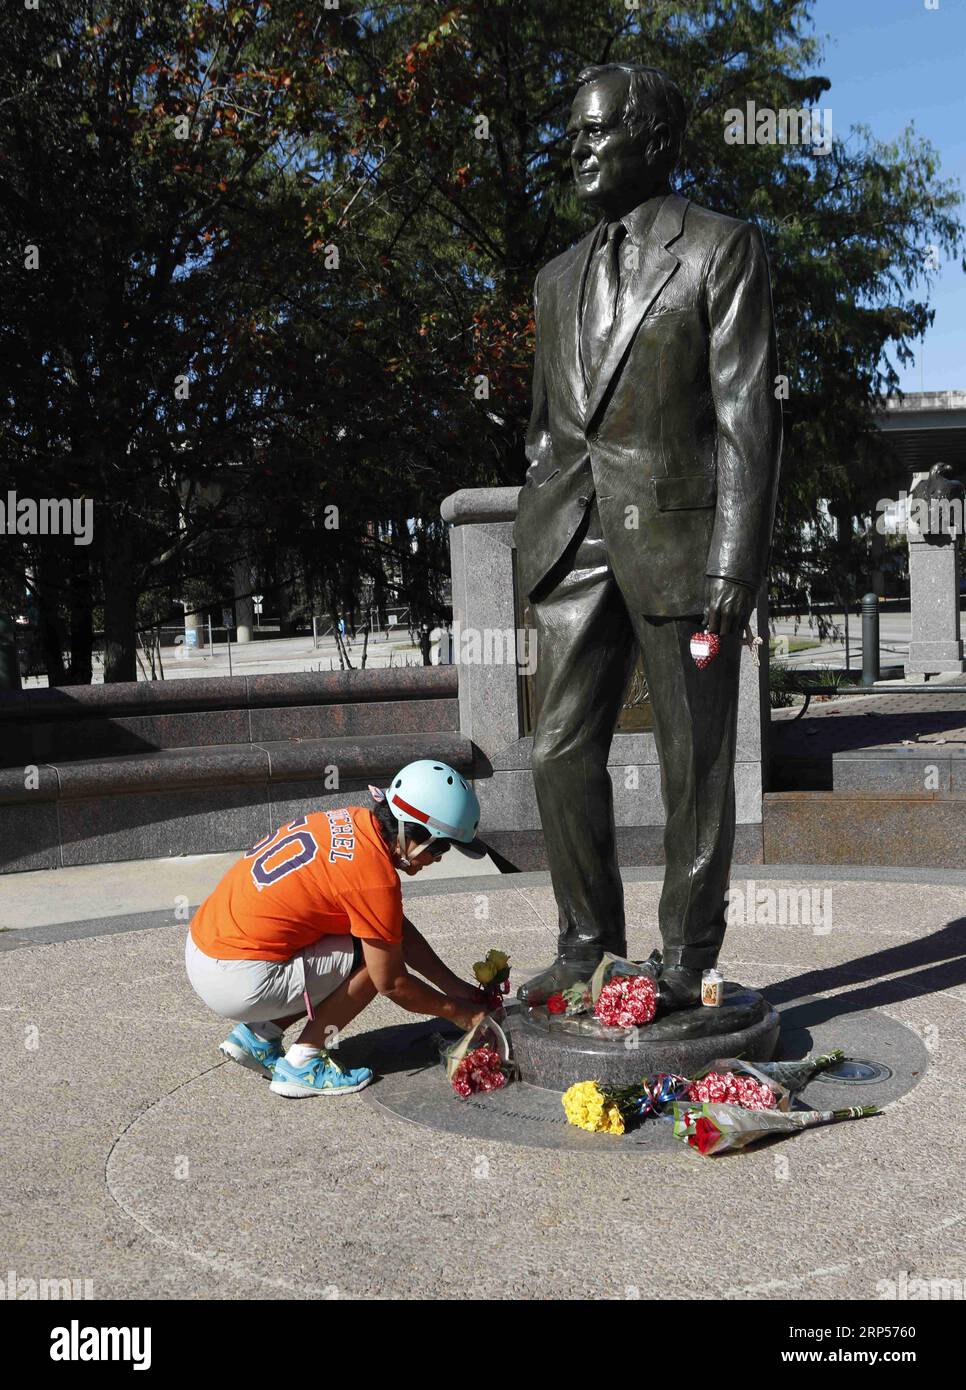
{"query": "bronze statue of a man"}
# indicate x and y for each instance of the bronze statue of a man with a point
(646, 513)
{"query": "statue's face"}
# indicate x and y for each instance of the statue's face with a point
(607, 159)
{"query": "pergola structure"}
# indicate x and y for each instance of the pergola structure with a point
(923, 428)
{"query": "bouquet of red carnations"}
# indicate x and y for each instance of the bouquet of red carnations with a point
(623, 993)
(480, 1061)
(626, 1001)
(758, 1085)
(729, 1088)
(482, 1069)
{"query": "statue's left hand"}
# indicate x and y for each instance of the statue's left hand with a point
(727, 606)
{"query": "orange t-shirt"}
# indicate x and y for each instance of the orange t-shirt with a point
(327, 872)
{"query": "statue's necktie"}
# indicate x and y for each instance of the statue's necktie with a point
(600, 303)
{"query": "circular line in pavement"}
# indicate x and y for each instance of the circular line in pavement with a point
(219, 1264)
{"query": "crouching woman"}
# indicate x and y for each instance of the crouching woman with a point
(310, 923)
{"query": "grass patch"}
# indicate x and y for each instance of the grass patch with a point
(795, 644)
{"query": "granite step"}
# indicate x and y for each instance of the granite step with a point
(55, 740)
(934, 769)
(230, 692)
(814, 827)
(199, 800)
(131, 718)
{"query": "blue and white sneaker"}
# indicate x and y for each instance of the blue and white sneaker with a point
(244, 1047)
(322, 1076)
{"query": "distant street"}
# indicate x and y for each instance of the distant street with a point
(894, 636)
(270, 655)
(395, 648)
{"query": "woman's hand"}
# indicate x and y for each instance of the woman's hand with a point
(471, 1018)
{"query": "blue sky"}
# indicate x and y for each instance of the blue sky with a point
(891, 62)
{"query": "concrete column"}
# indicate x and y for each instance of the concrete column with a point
(195, 630)
(877, 548)
(244, 606)
(934, 576)
(484, 640)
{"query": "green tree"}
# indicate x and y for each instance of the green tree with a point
(147, 163)
(286, 255)
(853, 230)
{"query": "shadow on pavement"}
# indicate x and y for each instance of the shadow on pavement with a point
(937, 962)
(406, 1047)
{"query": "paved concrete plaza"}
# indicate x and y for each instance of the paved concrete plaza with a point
(136, 1157)
(887, 719)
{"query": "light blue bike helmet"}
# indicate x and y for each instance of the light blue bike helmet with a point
(435, 796)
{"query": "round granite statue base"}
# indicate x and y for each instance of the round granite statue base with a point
(554, 1052)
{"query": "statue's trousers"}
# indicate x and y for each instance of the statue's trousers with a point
(587, 641)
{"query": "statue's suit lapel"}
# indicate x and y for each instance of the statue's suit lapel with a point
(570, 294)
(640, 287)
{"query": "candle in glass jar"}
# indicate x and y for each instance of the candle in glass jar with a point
(712, 988)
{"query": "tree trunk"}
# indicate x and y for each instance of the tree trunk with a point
(50, 620)
(120, 636)
(286, 617)
(120, 607)
(81, 624)
(426, 645)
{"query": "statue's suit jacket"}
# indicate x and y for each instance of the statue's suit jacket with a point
(677, 429)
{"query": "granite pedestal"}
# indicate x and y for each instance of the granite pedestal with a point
(936, 645)
(554, 1052)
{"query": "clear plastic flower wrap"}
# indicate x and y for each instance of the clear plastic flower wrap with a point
(713, 1129)
(488, 1040)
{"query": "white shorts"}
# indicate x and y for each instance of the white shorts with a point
(253, 991)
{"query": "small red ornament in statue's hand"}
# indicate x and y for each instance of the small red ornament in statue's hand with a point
(704, 648)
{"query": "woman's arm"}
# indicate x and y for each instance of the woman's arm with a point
(421, 957)
(386, 965)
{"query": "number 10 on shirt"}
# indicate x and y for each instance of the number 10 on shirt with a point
(296, 846)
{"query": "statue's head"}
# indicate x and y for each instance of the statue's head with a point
(626, 127)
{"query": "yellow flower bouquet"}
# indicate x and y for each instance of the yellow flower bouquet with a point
(590, 1108)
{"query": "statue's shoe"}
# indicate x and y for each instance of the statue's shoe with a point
(561, 975)
(678, 988)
